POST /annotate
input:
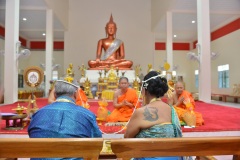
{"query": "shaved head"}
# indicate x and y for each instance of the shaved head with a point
(179, 87)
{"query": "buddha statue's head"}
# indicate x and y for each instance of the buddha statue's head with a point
(111, 27)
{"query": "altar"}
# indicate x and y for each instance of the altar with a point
(103, 82)
(93, 75)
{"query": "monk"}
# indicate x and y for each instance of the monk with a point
(81, 98)
(124, 101)
(183, 102)
(114, 51)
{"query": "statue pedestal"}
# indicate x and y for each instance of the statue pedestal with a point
(93, 75)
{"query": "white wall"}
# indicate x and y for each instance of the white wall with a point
(229, 49)
(179, 59)
(87, 21)
(35, 59)
(227, 46)
(2, 44)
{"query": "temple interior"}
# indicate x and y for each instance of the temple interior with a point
(146, 46)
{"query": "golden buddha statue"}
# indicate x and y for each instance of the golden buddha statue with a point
(87, 88)
(82, 70)
(112, 76)
(114, 50)
(70, 71)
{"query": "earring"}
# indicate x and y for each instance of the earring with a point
(145, 85)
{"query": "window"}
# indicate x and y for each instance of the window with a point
(196, 78)
(54, 75)
(20, 81)
(223, 76)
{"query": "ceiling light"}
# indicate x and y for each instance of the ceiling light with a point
(44, 34)
(175, 35)
(193, 21)
(24, 19)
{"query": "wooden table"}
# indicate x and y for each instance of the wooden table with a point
(14, 117)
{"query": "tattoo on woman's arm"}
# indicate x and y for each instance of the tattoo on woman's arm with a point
(150, 115)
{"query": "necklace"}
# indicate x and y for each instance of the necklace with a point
(64, 100)
(155, 99)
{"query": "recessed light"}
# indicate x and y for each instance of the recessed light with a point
(175, 35)
(193, 21)
(44, 34)
(24, 19)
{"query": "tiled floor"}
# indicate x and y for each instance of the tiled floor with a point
(224, 133)
(229, 104)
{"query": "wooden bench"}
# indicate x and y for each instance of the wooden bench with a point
(223, 97)
(158, 147)
(235, 98)
(90, 148)
(87, 148)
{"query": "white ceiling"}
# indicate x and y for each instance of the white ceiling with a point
(183, 12)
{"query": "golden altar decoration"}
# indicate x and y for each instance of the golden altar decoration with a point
(87, 88)
(70, 74)
(107, 149)
(33, 77)
(82, 70)
(102, 111)
(108, 94)
(112, 80)
(107, 85)
(19, 109)
(149, 68)
(137, 69)
(102, 85)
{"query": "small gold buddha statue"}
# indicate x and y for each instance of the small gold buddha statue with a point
(70, 74)
(70, 71)
(114, 50)
(136, 85)
(82, 70)
(87, 88)
(112, 76)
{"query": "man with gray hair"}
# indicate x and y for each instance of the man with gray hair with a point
(63, 118)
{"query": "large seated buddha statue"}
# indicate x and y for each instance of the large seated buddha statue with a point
(113, 51)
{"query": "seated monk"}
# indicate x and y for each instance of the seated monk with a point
(81, 98)
(124, 101)
(183, 102)
(114, 51)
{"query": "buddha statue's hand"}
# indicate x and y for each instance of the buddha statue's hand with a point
(98, 60)
(111, 59)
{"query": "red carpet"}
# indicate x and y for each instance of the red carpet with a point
(217, 118)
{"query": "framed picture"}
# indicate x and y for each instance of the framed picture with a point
(33, 76)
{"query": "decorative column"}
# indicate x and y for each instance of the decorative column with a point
(49, 50)
(204, 50)
(11, 49)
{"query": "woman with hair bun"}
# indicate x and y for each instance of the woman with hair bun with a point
(155, 119)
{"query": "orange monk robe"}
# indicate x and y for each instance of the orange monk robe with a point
(124, 113)
(81, 101)
(182, 108)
